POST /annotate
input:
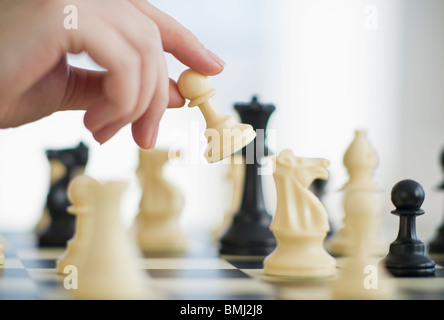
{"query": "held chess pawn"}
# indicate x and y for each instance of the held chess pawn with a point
(225, 135)
(406, 257)
(300, 224)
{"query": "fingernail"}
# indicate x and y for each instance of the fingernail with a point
(154, 133)
(216, 58)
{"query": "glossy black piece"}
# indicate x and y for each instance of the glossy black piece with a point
(249, 233)
(62, 224)
(436, 246)
(406, 257)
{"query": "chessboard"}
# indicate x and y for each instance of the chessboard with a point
(199, 274)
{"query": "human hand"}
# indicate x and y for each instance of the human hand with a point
(128, 38)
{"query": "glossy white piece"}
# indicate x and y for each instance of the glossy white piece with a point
(157, 225)
(361, 161)
(224, 134)
(300, 223)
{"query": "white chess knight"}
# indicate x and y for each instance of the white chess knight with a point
(157, 224)
(361, 161)
(224, 134)
(109, 269)
(300, 224)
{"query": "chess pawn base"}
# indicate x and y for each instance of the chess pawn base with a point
(300, 256)
(163, 236)
(409, 260)
(363, 280)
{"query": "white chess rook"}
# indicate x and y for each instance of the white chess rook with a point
(224, 134)
(110, 269)
(300, 224)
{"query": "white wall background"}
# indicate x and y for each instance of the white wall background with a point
(327, 67)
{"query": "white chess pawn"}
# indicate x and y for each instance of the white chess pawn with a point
(224, 134)
(157, 224)
(82, 207)
(361, 276)
(300, 224)
(110, 269)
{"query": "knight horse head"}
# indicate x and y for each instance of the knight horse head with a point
(299, 208)
(305, 170)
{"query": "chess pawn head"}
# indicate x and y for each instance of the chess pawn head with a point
(408, 196)
(79, 194)
(224, 134)
(195, 87)
(361, 160)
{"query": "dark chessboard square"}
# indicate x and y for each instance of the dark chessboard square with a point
(240, 264)
(197, 273)
(39, 263)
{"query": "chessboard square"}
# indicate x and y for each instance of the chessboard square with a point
(39, 263)
(197, 273)
(18, 288)
(185, 263)
(12, 273)
(12, 263)
(205, 289)
(41, 253)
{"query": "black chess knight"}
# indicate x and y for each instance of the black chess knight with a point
(436, 246)
(65, 165)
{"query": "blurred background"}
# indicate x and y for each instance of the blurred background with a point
(329, 67)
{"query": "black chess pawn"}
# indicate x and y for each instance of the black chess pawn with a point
(66, 164)
(406, 257)
(436, 246)
(249, 233)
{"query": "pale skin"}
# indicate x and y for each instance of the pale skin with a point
(128, 38)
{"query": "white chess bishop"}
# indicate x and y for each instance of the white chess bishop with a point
(157, 224)
(361, 161)
(224, 134)
(300, 223)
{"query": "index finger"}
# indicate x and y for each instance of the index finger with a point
(181, 42)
